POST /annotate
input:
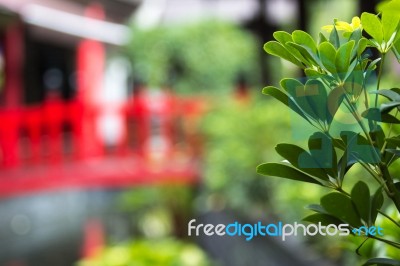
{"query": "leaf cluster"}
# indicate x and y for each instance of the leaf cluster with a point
(338, 69)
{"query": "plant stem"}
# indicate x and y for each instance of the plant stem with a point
(358, 118)
(388, 135)
(393, 192)
(374, 175)
(393, 244)
(339, 189)
(379, 78)
(390, 218)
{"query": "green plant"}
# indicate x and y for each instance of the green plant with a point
(158, 211)
(158, 216)
(230, 130)
(339, 84)
(197, 57)
(164, 252)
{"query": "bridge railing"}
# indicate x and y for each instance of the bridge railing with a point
(60, 131)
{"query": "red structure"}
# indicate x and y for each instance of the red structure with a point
(53, 142)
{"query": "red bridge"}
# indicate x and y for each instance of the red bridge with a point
(49, 146)
(59, 129)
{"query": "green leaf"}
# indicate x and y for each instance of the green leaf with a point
(388, 118)
(285, 171)
(373, 26)
(334, 37)
(322, 38)
(390, 94)
(361, 198)
(356, 35)
(389, 6)
(390, 22)
(305, 52)
(283, 98)
(355, 77)
(371, 67)
(396, 50)
(358, 148)
(396, 90)
(393, 151)
(301, 159)
(362, 45)
(317, 98)
(277, 49)
(375, 114)
(344, 164)
(397, 186)
(283, 37)
(323, 152)
(296, 53)
(382, 262)
(392, 155)
(387, 107)
(339, 143)
(327, 53)
(305, 39)
(376, 203)
(342, 208)
(343, 56)
(378, 136)
(394, 140)
(324, 219)
(312, 73)
(296, 90)
(335, 99)
(316, 208)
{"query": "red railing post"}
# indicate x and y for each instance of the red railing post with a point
(53, 113)
(9, 135)
(32, 119)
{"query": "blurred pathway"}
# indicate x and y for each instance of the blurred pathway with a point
(260, 251)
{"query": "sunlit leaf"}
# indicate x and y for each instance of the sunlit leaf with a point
(327, 54)
(283, 37)
(283, 98)
(343, 56)
(305, 39)
(334, 38)
(277, 49)
(373, 26)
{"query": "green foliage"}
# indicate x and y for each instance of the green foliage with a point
(205, 56)
(166, 252)
(157, 213)
(236, 140)
(338, 68)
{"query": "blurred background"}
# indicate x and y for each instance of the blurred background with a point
(122, 120)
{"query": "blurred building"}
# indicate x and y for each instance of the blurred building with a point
(69, 126)
(65, 97)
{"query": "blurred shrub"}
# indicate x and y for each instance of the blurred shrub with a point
(237, 139)
(165, 252)
(158, 211)
(205, 56)
(158, 217)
